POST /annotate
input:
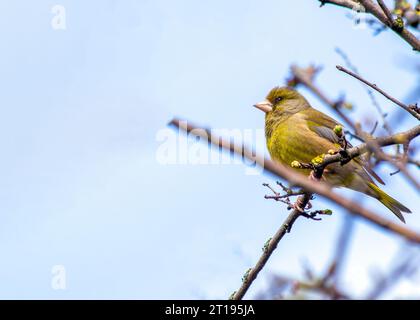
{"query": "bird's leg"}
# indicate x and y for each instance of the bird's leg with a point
(343, 142)
(298, 206)
(312, 176)
(345, 158)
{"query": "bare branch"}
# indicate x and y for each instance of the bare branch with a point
(399, 165)
(305, 77)
(269, 248)
(412, 109)
(388, 13)
(399, 29)
(373, 145)
(377, 11)
(321, 188)
(342, 3)
(375, 103)
(398, 138)
(311, 185)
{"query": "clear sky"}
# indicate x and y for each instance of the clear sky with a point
(81, 112)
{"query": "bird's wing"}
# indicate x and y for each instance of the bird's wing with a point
(323, 126)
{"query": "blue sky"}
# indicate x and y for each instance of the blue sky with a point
(80, 112)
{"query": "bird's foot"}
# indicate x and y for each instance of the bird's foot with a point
(312, 176)
(298, 205)
(345, 158)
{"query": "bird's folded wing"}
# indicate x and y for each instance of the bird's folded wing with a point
(323, 126)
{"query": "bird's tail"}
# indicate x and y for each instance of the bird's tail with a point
(389, 202)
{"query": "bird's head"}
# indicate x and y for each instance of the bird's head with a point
(279, 105)
(282, 100)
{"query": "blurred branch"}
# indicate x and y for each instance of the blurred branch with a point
(405, 264)
(320, 285)
(341, 247)
(327, 284)
(404, 9)
(414, 162)
(397, 25)
(399, 165)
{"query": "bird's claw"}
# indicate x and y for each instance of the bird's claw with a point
(312, 176)
(298, 206)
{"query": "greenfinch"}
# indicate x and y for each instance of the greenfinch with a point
(295, 131)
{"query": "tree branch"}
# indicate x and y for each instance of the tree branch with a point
(310, 185)
(269, 248)
(321, 188)
(305, 77)
(412, 109)
(398, 138)
(377, 11)
(375, 103)
(388, 14)
(342, 3)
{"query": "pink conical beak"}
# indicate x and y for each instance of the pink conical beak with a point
(265, 106)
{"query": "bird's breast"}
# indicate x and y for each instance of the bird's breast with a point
(292, 141)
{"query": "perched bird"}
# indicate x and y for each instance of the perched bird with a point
(297, 132)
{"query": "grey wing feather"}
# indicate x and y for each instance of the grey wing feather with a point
(326, 133)
(330, 135)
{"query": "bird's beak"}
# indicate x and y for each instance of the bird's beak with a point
(265, 106)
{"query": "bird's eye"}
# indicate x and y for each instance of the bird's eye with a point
(278, 99)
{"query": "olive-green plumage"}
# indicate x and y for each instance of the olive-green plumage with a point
(296, 131)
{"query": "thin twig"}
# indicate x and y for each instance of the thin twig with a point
(375, 103)
(411, 109)
(252, 274)
(301, 76)
(381, 156)
(399, 165)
